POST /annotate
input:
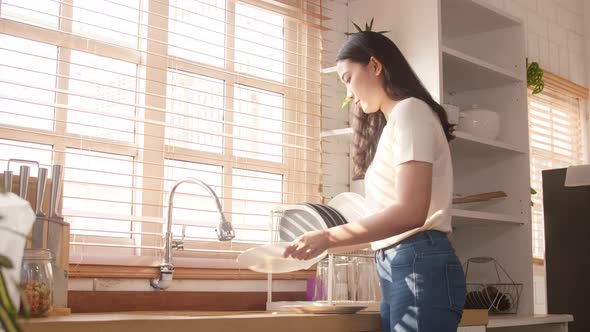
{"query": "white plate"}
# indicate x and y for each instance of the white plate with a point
(350, 205)
(269, 259)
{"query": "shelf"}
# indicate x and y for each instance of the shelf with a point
(463, 72)
(473, 145)
(336, 132)
(465, 142)
(460, 17)
(468, 217)
(328, 70)
(518, 320)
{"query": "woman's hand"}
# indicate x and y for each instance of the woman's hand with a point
(308, 245)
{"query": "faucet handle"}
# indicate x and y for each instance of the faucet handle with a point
(178, 244)
(225, 231)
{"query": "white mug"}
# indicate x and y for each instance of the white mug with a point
(452, 113)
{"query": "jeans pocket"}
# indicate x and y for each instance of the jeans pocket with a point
(400, 258)
(456, 286)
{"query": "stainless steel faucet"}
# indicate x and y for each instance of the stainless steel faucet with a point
(225, 232)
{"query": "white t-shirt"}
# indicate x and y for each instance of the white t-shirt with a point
(413, 132)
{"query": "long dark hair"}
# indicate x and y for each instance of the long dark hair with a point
(399, 81)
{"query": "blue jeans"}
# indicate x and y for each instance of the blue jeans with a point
(423, 284)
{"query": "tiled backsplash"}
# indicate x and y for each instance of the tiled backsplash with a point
(555, 34)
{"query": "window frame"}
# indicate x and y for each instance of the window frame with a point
(151, 70)
(559, 85)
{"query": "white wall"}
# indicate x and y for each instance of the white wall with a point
(555, 34)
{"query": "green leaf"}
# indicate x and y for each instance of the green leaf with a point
(357, 27)
(534, 77)
(539, 87)
(5, 300)
(5, 262)
(533, 191)
(345, 102)
(8, 321)
(368, 28)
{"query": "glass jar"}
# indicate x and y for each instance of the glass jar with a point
(37, 281)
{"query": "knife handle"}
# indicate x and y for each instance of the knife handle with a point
(24, 181)
(56, 174)
(41, 180)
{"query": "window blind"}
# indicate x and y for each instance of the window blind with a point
(556, 140)
(132, 95)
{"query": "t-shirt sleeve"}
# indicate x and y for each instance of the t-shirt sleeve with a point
(414, 133)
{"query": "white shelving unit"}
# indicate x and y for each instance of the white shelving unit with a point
(335, 132)
(482, 61)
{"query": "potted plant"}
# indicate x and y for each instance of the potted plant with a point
(534, 77)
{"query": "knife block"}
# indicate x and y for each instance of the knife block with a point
(32, 189)
(52, 231)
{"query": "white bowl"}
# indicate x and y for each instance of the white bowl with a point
(480, 122)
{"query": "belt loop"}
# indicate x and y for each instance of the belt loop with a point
(430, 237)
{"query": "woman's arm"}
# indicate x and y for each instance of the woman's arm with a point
(413, 186)
(349, 249)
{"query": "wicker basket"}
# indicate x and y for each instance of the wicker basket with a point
(498, 298)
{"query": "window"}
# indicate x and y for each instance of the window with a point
(133, 95)
(556, 141)
(27, 68)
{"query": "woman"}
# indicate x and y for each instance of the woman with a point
(402, 152)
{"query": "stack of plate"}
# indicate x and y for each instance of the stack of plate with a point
(298, 219)
(330, 216)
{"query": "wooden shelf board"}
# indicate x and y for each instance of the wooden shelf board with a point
(336, 132)
(463, 72)
(469, 217)
(468, 143)
(327, 70)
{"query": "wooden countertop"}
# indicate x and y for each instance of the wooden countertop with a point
(219, 321)
(525, 320)
(204, 321)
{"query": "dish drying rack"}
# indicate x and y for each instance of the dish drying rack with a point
(276, 215)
